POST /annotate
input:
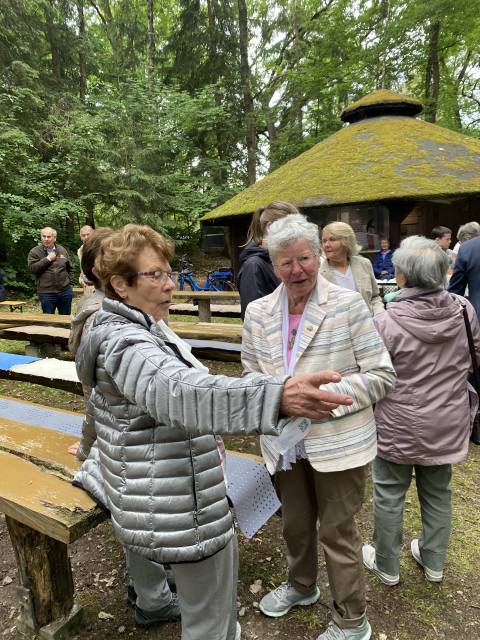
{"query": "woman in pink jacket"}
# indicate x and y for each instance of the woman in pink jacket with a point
(424, 424)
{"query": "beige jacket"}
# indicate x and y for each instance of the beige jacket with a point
(365, 282)
(338, 334)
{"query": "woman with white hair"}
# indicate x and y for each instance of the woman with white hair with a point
(341, 266)
(424, 425)
(466, 232)
(305, 324)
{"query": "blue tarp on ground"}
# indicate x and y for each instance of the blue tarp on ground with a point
(8, 360)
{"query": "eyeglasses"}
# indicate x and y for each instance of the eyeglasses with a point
(304, 262)
(158, 274)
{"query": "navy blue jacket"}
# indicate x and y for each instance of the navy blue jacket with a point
(466, 272)
(383, 263)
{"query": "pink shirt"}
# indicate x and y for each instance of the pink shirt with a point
(293, 322)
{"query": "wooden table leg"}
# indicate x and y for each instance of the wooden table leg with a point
(45, 576)
(204, 313)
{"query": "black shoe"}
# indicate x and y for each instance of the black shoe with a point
(169, 613)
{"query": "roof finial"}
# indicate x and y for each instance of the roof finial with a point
(382, 103)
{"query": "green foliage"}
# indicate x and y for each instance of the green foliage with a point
(161, 139)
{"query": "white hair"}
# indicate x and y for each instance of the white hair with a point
(467, 231)
(54, 231)
(290, 229)
(422, 262)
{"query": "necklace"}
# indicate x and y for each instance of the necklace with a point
(291, 340)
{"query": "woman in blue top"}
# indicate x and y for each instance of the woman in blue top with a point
(382, 264)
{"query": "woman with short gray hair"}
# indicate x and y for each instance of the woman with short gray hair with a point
(424, 425)
(305, 324)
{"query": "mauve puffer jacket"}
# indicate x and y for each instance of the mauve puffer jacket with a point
(157, 468)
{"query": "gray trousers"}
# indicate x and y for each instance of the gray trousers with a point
(390, 484)
(150, 582)
(207, 595)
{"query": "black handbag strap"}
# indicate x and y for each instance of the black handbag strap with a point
(471, 346)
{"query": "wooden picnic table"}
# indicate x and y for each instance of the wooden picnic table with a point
(204, 300)
(197, 330)
(13, 304)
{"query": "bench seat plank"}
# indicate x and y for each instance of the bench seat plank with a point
(37, 334)
(43, 446)
(43, 501)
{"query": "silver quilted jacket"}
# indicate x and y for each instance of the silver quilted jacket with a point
(157, 467)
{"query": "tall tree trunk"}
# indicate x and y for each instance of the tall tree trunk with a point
(51, 36)
(151, 35)
(432, 75)
(219, 176)
(104, 12)
(82, 62)
(245, 77)
(383, 80)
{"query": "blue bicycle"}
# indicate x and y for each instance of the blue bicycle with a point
(218, 280)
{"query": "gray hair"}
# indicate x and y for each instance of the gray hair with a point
(422, 262)
(467, 231)
(54, 231)
(290, 229)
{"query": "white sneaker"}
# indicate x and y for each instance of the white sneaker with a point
(369, 562)
(238, 632)
(430, 574)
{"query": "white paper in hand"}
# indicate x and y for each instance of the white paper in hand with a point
(293, 432)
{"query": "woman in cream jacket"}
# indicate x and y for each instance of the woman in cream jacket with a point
(349, 271)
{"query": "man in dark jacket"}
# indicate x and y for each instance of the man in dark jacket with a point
(466, 272)
(51, 267)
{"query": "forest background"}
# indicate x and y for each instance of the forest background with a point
(156, 111)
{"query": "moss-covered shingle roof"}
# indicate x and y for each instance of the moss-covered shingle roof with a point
(380, 158)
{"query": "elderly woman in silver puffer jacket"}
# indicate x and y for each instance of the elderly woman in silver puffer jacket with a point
(158, 467)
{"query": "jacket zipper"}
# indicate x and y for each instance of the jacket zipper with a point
(194, 489)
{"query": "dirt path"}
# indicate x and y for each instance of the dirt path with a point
(415, 610)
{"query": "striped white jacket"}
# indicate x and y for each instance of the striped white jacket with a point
(338, 334)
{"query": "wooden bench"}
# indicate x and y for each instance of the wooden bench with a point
(195, 330)
(13, 304)
(40, 319)
(44, 513)
(204, 300)
(43, 341)
(60, 374)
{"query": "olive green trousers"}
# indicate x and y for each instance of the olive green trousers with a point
(390, 485)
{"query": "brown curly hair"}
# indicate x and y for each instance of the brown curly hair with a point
(119, 252)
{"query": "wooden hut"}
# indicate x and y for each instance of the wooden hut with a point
(385, 173)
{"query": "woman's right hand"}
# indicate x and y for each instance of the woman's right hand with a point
(303, 398)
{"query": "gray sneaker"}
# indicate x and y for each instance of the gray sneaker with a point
(334, 632)
(279, 601)
(430, 574)
(168, 613)
(370, 563)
